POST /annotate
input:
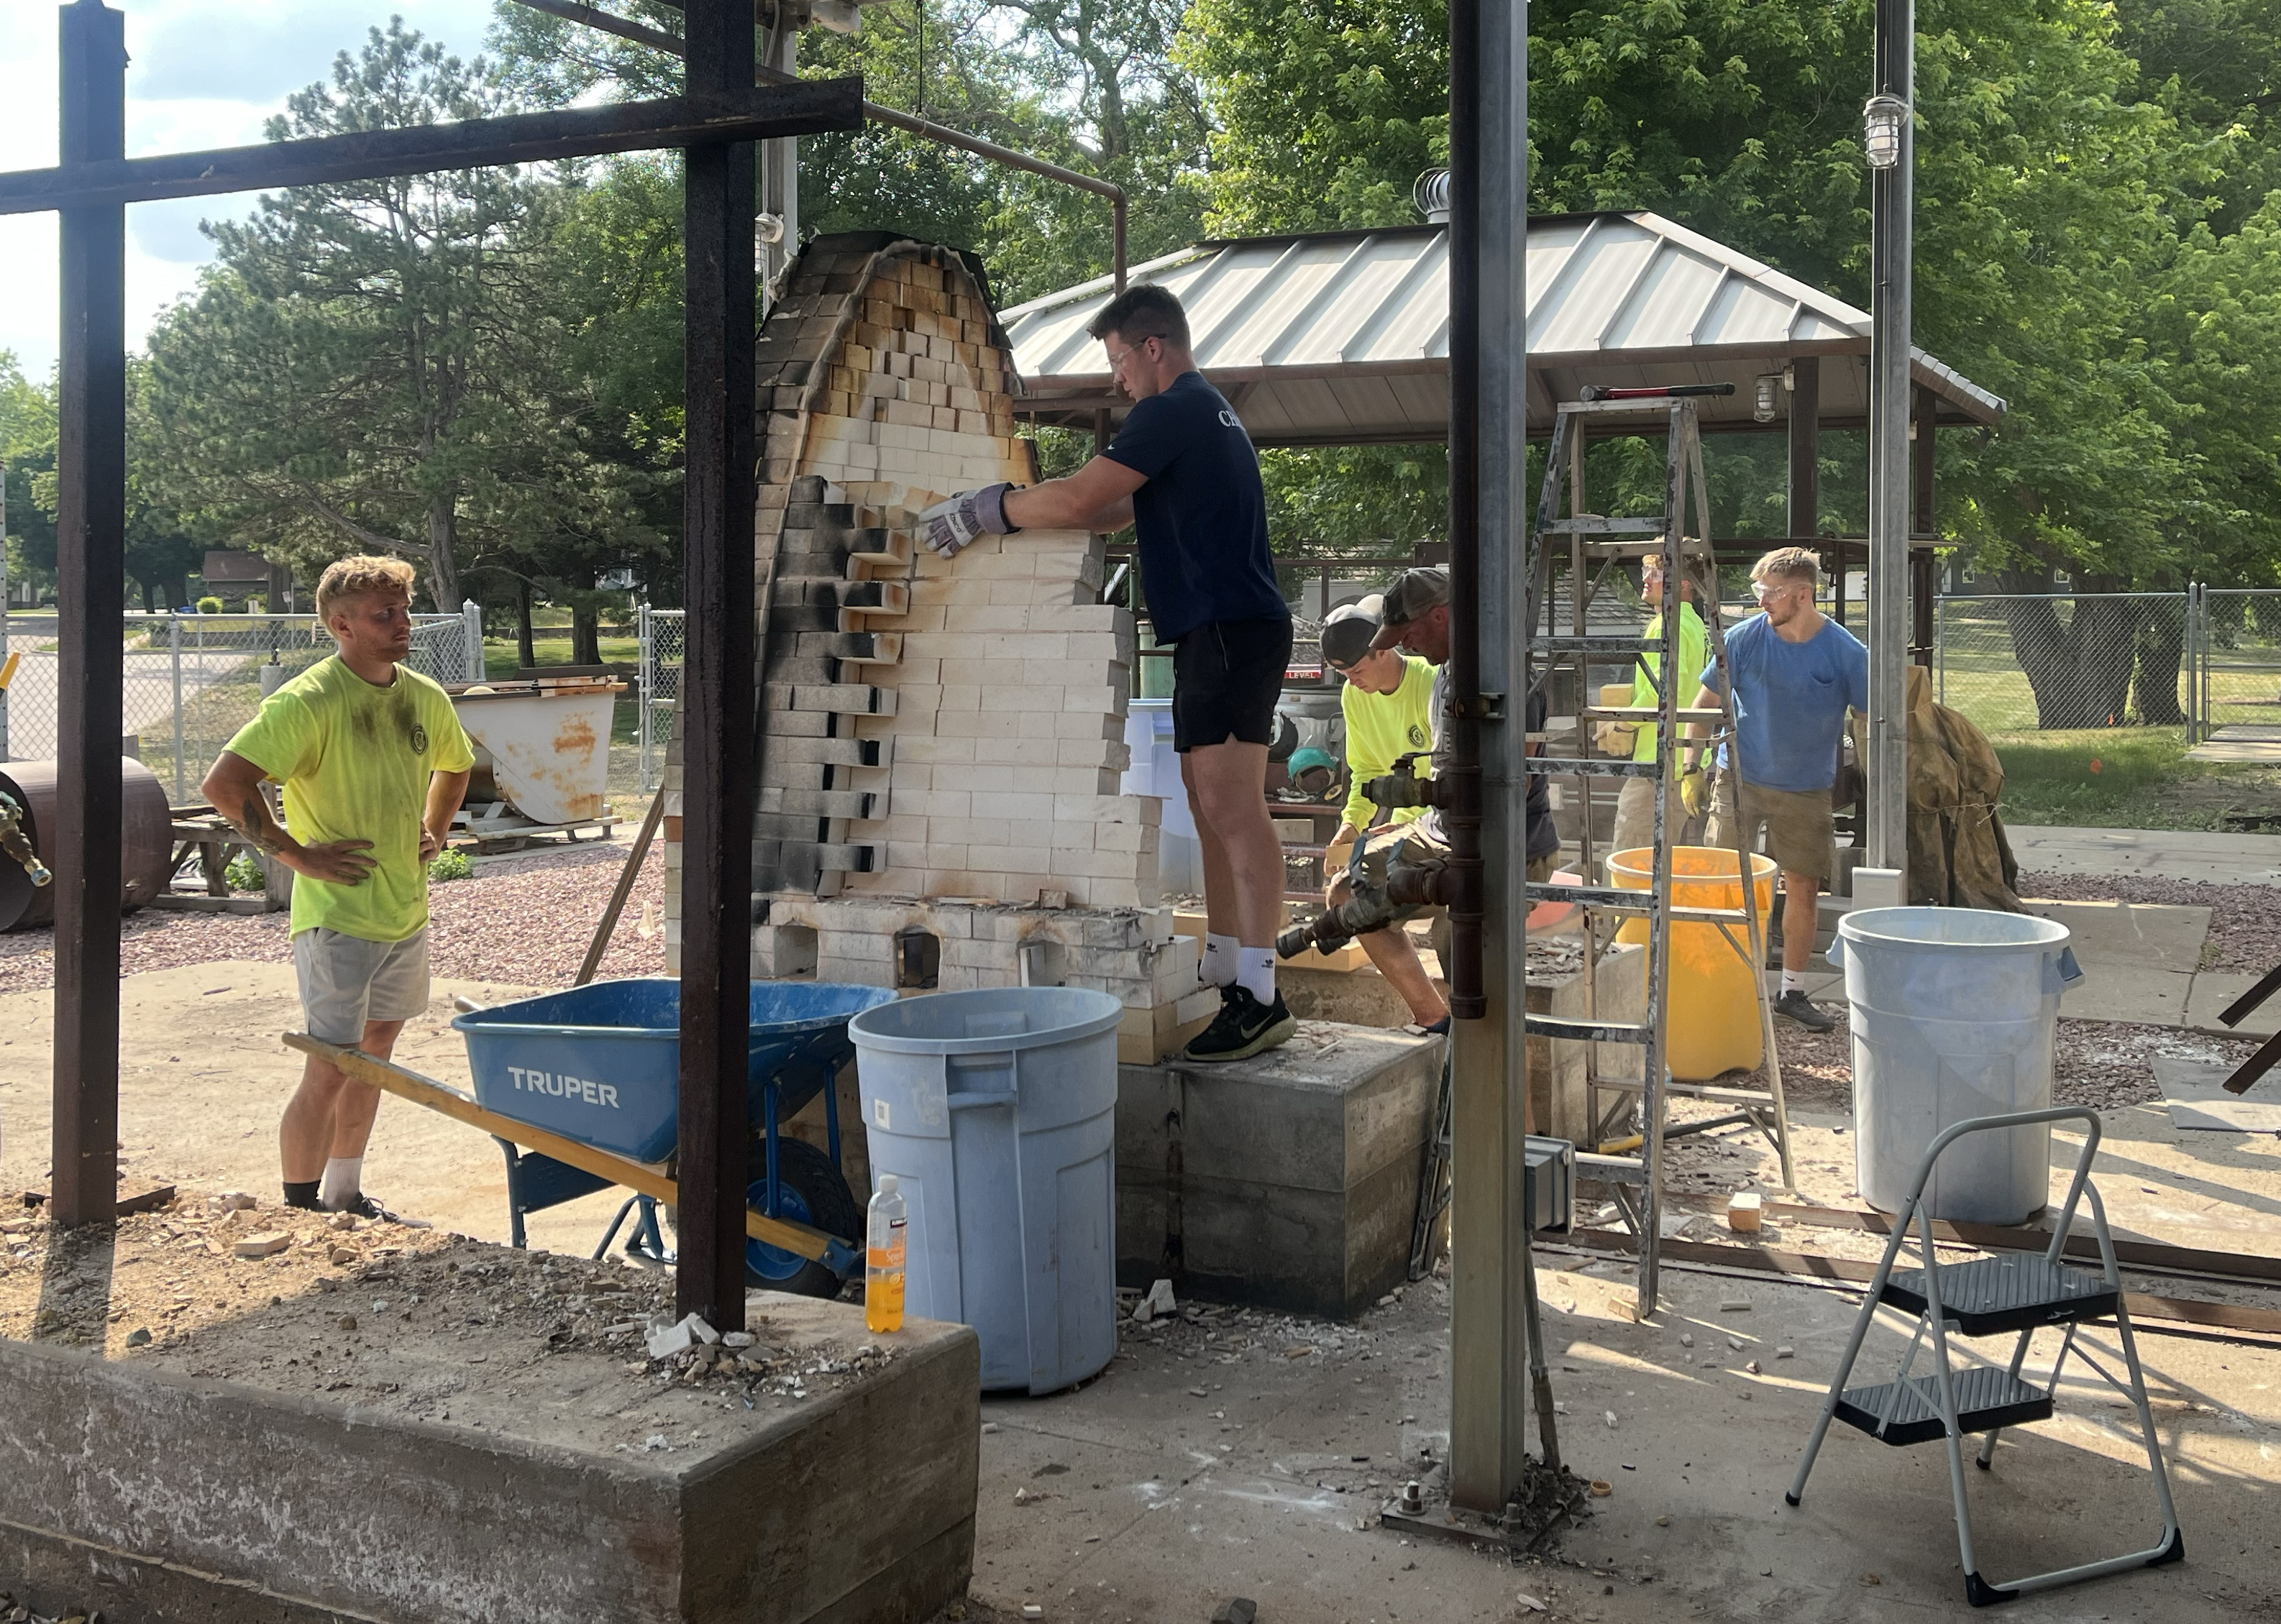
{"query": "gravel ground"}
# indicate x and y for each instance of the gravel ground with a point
(2245, 933)
(525, 918)
(2106, 1065)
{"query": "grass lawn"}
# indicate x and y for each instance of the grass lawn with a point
(2131, 777)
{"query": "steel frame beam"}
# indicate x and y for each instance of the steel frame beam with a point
(746, 112)
(1489, 1224)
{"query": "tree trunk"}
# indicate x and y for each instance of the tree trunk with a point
(2079, 668)
(2161, 651)
(443, 567)
(178, 592)
(525, 655)
(585, 634)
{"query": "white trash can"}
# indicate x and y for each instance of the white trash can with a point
(997, 1111)
(1953, 1014)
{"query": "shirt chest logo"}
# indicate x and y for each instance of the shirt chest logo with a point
(1227, 418)
(1417, 735)
(418, 739)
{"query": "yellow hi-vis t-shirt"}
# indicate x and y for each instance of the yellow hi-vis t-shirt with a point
(355, 761)
(1381, 727)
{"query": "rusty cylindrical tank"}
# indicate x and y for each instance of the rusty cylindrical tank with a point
(146, 840)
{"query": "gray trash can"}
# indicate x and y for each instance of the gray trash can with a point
(1953, 1012)
(997, 1110)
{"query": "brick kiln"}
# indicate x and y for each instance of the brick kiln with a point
(942, 740)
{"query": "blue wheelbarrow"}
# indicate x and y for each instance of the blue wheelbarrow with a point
(581, 1088)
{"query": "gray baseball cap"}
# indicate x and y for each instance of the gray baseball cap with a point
(1348, 630)
(1412, 595)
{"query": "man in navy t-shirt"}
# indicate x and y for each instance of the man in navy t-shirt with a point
(1183, 473)
(1794, 674)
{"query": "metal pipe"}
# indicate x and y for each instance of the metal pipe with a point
(658, 40)
(1489, 1322)
(1889, 471)
(1461, 886)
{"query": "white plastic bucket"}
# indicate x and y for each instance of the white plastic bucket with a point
(997, 1110)
(1953, 1014)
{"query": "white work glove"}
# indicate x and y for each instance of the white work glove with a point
(953, 522)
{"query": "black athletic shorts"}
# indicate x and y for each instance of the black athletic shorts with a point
(1226, 677)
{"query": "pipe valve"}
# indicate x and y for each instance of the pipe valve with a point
(17, 844)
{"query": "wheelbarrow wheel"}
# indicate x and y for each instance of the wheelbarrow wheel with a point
(815, 1194)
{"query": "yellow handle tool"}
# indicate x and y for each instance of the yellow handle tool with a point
(419, 1090)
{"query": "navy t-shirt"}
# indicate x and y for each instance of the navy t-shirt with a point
(1202, 516)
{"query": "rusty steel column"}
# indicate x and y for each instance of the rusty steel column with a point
(718, 497)
(91, 597)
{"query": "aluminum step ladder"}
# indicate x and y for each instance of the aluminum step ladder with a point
(1993, 1297)
(1593, 545)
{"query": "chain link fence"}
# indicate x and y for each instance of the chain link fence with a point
(2195, 661)
(2235, 661)
(192, 681)
(660, 634)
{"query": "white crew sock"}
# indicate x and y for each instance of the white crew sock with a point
(344, 1182)
(1219, 960)
(1793, 980)
(1256, 973)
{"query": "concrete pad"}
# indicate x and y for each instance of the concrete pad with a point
(2113, 989)
(2170, 854)
(2194, 1091)
(1288, 1180)
(1177, 1503)
(206, 1498)
(2240, 741)
(2214, 990)
(2148, 935)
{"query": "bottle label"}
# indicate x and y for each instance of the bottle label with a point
(891, 1255)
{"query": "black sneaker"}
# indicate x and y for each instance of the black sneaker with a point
(1800, 1008)
(1243, 1028)
(365, 1207)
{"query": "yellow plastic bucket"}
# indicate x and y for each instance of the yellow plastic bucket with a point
(1711, 990)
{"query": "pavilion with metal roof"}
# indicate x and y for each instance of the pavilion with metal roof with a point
(1342, 338)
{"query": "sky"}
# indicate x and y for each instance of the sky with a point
(202, 74)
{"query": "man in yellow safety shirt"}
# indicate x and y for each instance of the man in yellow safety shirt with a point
(1635, 801)
(1388, 704)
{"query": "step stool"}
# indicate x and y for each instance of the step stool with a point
(1993, 1297)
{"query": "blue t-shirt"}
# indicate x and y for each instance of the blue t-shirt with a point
(1202, 516)
(1790, 700)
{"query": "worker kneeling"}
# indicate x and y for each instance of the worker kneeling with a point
(1388, 704)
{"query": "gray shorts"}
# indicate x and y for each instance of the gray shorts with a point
(347, 980)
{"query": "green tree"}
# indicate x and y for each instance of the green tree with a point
(28, 452)
(378, 365)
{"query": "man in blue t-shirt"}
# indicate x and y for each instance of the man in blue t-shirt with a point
(1795, 673)
(1183, 473)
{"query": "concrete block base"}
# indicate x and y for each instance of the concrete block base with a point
(1288, 1180)
(165, 1497)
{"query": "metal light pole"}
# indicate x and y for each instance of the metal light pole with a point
(4, 605)
(1489, 1225)
(1890, 146)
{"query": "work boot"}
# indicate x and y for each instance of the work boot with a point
(1800, 1008)
(365, 1207)
(1243, 1028)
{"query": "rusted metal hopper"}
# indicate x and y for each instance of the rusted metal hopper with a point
(145, 844)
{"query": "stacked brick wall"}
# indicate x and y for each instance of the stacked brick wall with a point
(942, 740)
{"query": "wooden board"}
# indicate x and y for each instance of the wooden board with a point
(426, 1091)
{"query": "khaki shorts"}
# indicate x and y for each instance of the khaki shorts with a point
(347, 980)
(1798, 823)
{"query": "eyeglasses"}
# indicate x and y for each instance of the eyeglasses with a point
(1766, 591)
(1116, 361)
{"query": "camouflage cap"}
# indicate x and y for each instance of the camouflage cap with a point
(1412, 595)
